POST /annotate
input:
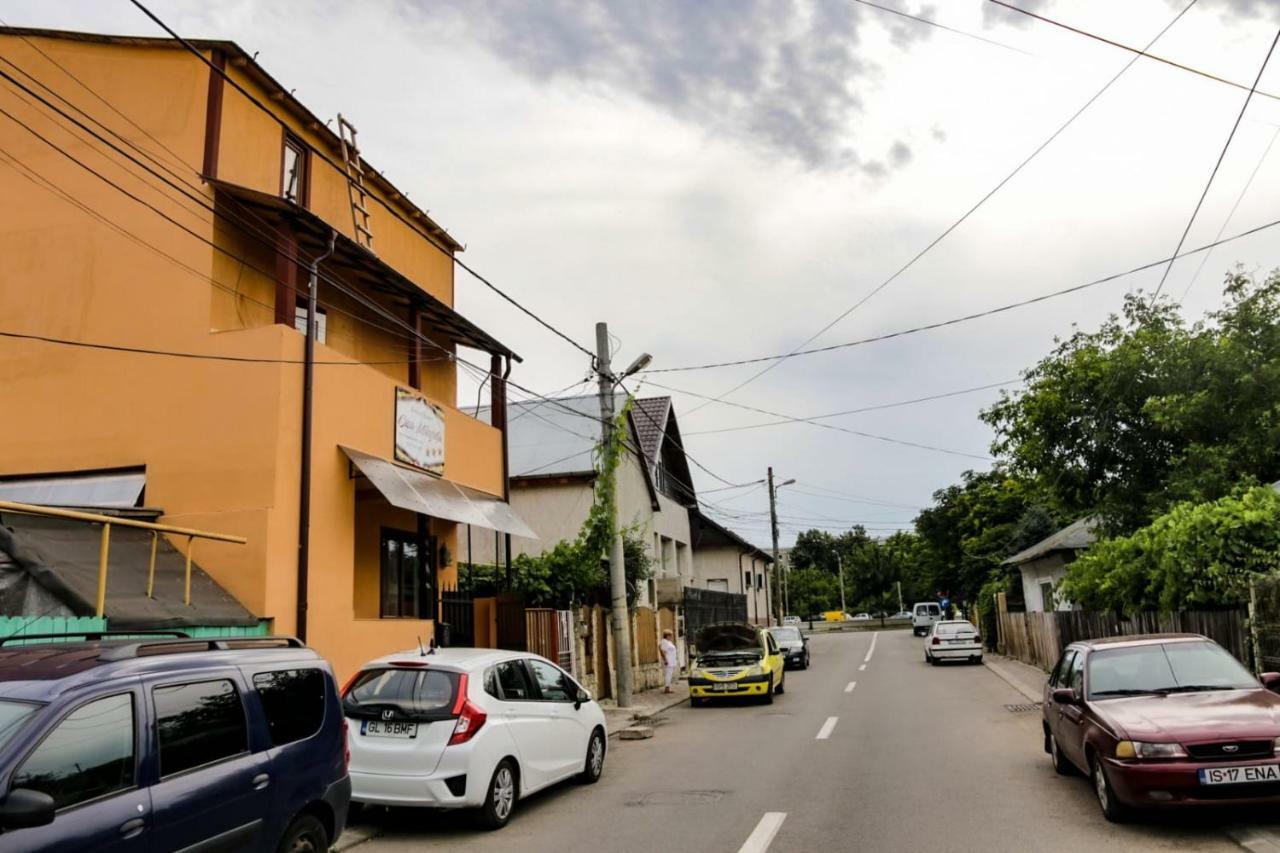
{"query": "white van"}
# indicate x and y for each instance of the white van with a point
(923, 615)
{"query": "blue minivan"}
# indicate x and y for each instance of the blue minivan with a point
(152, 744)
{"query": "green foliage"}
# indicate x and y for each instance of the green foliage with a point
(1196, 555)
(1148, 411)
(812, 591)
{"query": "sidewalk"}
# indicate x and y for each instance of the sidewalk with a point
(650, 703)
(1026, 679)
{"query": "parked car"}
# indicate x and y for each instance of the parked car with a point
(923, 615)
(169, 743)
(862, 617)
(790, 620)
(735, 660)
(901, 614)
(794, 645)
(468, 728)
(1163, 721)
(953, 639)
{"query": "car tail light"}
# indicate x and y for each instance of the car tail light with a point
(346, 745)
(977, 638)
(936, 641)
(470, 719)
(346, 688)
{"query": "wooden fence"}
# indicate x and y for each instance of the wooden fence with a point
(646, 635)
(1039, 638)
(542, 627)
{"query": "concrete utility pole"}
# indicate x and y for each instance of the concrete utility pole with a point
(773, 526)
(840, 574)
(617, 564)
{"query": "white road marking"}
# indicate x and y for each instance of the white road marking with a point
(827, 727)
(862, 668)
(871, 651)
(762, 836)
(851, 685)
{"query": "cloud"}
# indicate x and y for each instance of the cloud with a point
(938, 133)
(993, 14)
(1239, 8)
(781, 75)
(900, 154)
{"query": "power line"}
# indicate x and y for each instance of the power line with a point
(954, 225)
(876, 408)
(923, 20)
(1000, 309)
(1135, 50)
(257, 103)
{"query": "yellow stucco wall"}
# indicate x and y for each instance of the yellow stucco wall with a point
(219, 440)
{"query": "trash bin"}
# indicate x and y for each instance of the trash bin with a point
(443, 635)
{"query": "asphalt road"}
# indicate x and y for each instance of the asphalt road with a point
(912, 758)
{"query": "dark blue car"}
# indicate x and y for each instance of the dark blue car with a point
(157, 744)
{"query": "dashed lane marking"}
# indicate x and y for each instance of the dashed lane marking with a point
(827, 728)
(762, 836)
(862, 668)
(871, 651)
(849, 687)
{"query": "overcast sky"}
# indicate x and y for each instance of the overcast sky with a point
(719, 179)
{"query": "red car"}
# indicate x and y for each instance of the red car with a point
(1163, 720)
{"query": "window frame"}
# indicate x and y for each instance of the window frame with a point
(300, 319)
(161, 776)
(53, 726)
(534, 693)
(266, 717)
(537, 686)
(403, 536)
(1065, 658)
(303, 189)
(1077, 661)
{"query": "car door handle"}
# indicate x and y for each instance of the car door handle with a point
(132, 828)
(261, 781)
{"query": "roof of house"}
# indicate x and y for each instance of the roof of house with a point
(550, 438)
(241, 58)
(61, 556)
(650, 417)
(1074, 537)
(709, 533)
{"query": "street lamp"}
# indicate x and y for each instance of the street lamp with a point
(773, 524)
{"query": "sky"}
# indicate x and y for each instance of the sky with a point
(722, 179)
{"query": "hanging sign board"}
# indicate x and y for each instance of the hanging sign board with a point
(419, 432)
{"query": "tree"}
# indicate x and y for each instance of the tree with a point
(1193, 556)
(1147, 411)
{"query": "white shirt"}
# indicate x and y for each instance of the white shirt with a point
(668, 650)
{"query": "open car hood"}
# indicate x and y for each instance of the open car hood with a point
(728, 637)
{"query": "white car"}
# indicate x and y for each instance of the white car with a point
(862, 617)
(953, 639)
(923, 615)
(790, 620)
(468, 728)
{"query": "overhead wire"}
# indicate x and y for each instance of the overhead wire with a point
(954, 225)
(923, 20)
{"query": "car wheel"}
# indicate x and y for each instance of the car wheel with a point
(306, 834)
(768, 695)
(1061, 763)
(782, 685)
(1112, 809)
(594, 764)
(500, 802)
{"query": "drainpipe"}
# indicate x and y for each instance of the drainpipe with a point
(304, 479)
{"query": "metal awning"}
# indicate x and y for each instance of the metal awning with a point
(419, 492)
(101, 489)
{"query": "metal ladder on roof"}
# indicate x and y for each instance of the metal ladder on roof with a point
(355, 183)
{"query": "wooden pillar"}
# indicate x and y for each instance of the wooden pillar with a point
(286, 276)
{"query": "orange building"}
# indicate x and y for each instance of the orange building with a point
(165, 218)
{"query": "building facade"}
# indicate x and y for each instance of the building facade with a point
(172, 207)
(1044, 565)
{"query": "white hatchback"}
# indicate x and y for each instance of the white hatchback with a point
(468, 728)
(953, 639)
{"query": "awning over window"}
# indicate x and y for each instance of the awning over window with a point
(418, 492)
(116, 489)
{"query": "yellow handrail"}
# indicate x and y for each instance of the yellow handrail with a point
(107, 521)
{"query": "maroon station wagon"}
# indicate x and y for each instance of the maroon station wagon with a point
(1163, 720)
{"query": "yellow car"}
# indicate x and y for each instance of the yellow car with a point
(736, 659)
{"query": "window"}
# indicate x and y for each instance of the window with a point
(1046, 596)
(1168, 667)
(88, 755)
(411, 692)
(13, 717)
(296, 171)
(403, 589)
(293, 701)
(198, 724)
(773, 647)
(747, 577)
(1059, 676)
(759, 580)
(719, 584)
(1075, 676)
(512, 681)
(491, 683)
(948, 628)
(300, 320)
(553, 684)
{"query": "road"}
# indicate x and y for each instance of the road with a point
(911, 758)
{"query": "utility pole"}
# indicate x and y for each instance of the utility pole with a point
(773, 526)
(899, 596)
(617, 565)
(840, 574)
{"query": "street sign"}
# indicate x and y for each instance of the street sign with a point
(944, 602)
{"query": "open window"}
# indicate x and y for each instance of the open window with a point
(295, 174)
(300, 319)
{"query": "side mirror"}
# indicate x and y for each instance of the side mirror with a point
(581, 698)
(25, 808)
(1270, 680)
(1065, 696)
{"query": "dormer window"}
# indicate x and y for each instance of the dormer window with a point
(296, 171)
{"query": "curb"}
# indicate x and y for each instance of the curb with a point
(654, 712)
(354, 837)
(1253, 840)
(1032, 697)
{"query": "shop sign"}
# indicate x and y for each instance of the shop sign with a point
(419, 432)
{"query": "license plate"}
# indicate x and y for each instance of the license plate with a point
(1239, 775)
(388, 728)
(724, 687)
(960, 641)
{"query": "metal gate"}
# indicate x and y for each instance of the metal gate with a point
(564, 633)
(458, 612)
(511, 623)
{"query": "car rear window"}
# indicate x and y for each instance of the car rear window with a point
(293, 701)
(928, 610)
(956, 628)
(414, 693)
(785, 633)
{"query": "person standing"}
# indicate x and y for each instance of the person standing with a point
(670, 660)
